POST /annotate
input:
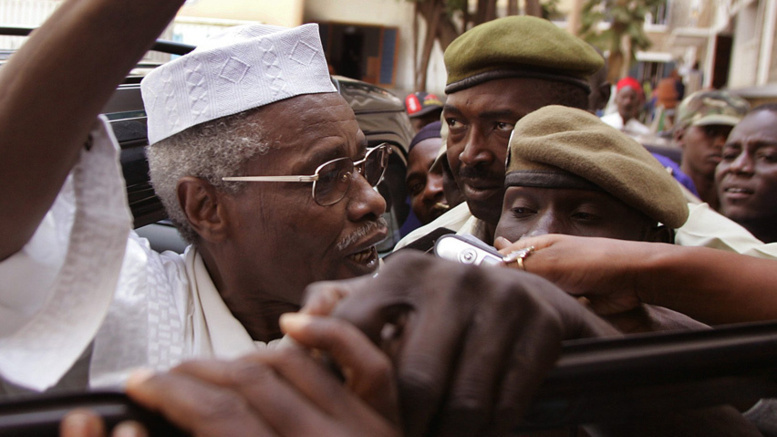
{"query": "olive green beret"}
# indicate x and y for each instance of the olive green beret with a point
(561, 147)
(519, 46)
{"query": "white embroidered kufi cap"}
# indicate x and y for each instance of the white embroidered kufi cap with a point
(244, 68)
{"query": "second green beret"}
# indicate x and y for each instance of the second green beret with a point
(518, 46)
(585, 152)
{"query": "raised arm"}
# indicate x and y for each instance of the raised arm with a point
(52, 89)
(712, 286)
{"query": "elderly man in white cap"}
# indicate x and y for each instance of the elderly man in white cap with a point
(265, 166)
(259, 162)
(273, 200)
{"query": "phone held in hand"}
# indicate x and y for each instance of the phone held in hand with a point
(466, 249)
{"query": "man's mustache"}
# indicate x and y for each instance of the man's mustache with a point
(479, 172)
(362, 232)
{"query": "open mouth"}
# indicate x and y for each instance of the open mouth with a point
(738, 190)
(734, 193)
(366, 256)
(363, 256)
(440, 207)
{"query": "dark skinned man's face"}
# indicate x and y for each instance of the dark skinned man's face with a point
(480, 120)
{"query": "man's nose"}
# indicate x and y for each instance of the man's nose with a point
(434, 187)
(743, 164)
(546, 223)
(719, 140)
(475, 150)
(364, 201)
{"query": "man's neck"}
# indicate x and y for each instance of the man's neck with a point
(705, 186)
(255, 310)
(489, 232)
(485, 231)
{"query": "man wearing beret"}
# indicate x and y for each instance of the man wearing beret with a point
(570, 173)
(704, 120)
(497, 73)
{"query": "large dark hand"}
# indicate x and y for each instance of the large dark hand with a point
(277, 393)
(470, 345)
(271, 393)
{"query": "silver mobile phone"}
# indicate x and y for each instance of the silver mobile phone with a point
(466, 249)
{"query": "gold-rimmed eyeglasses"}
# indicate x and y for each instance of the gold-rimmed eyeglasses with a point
(332, 178)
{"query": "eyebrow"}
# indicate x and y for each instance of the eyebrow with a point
(419, 172)
(497, 114)
(766, 143)
(321, 156)
(336, 151)
(414, 176)
(757, 144)
(450, 108)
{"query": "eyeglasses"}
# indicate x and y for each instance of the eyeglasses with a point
(332, 179)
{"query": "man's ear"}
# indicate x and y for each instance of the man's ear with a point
(605, 90)
(201, 203)
(677, 135)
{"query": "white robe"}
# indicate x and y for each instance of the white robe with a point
(632, 127)
(85, 278)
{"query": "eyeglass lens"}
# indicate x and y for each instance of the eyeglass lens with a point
(335, 176)
(374, 165)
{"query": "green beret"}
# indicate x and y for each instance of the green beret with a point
(519, 46)
(561, 147)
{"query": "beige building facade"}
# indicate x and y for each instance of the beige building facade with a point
(712, 43)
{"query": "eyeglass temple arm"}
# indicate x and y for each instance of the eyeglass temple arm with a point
(270, 178)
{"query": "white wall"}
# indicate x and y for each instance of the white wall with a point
(394, 13)
(278, 12)
(745, 50)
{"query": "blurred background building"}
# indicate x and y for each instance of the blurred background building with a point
(706, 43)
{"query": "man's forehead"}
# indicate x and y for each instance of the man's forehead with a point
(518, 95)
(423, 150)
(562, 192)
(758, 126)
(308, 115)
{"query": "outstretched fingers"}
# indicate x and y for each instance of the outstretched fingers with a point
(198, 406)
(368, 371)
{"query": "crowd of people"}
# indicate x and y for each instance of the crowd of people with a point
(263, 169)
